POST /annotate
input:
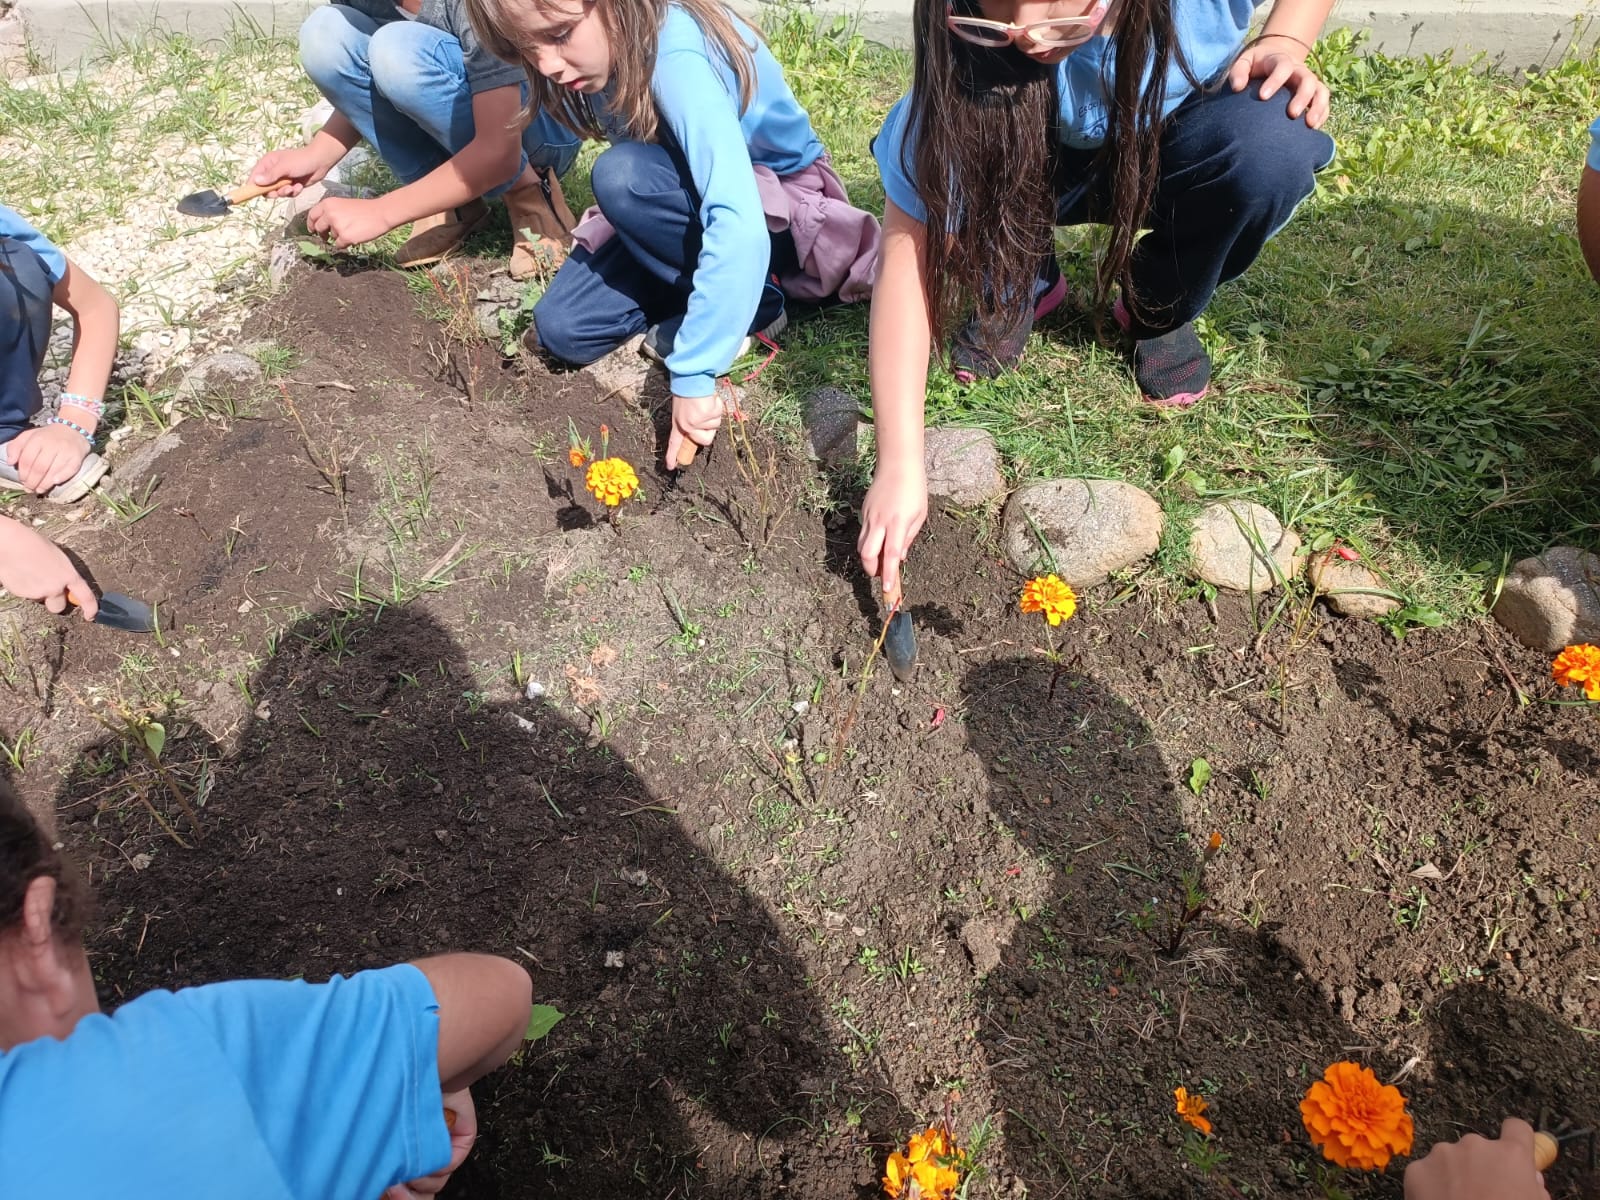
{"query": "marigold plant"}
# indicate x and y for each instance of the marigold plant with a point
(1050, 595)
(1192, 1109)
(1579, 666)
(576, 456)
(612, 480)
(1355, 1120)
(928, 1168)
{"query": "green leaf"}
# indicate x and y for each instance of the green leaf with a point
(309, 249)
(155, 737)
(1171, 461)
(542, 1020)
(1199, 775)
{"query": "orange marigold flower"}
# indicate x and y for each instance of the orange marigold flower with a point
(926, 1171)
(1579, 666)
(1050, 595)
(611, 480)
(576, 456)
(1355, 1120)
(1192, 1109)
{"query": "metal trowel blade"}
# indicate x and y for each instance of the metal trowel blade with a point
(900, 646)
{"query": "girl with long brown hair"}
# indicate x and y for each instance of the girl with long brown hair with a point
(1027, 114)
(715, 200)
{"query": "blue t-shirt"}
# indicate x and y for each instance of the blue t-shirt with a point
(13, 226)
(237, 1091)
(697, 96)
(1593, 159)
(1210, 33)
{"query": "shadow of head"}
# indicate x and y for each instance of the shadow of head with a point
(379, 808)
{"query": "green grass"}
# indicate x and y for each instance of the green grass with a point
(1410, 366)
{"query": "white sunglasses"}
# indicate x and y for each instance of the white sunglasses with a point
(1062, 31)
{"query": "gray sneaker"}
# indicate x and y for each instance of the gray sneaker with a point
(80, 485)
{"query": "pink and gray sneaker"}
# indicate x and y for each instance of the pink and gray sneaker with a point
(1172, 370)
(979, 354)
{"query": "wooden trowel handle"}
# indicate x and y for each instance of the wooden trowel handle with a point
(686, 453)
(251, 190)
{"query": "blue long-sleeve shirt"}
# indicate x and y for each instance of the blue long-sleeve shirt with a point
(697, 95)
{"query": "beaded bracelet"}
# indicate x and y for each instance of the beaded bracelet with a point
(72, 425)
(97, 407)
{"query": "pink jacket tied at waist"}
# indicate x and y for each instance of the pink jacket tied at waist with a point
(837, 245)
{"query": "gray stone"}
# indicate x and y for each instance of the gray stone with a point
(1552, 599)
(130, 468)
(830, 415)
(963, 466)
(225, 369)
(622, 372)
(1093, 527)
(1350, 588)
(280, 261)
(1242, 547)
(13, 44)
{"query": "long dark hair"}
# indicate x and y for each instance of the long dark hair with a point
(983, 146)
(26, 854)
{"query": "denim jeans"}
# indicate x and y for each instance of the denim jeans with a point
(403, 84)
(645, 273)
(1233, 170)
(25, 309)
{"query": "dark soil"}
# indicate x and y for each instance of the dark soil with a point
(824, 939)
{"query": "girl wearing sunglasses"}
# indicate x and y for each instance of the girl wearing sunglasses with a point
(1027, 114)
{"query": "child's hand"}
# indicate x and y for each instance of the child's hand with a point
(305, 165)
(695, 420)
(342, 222)
(463, 1133)
(45, 456)
(1274, 61)
(891, 517)
(1476, 1168)
(35, 569)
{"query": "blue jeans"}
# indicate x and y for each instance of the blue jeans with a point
(403, 84)
(1233, 170)
(644, 274)
(25, 289)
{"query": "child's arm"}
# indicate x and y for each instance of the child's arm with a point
(308, 164)
(51, 454)
(899, 341)
(1476, 1168)
(1277, 57)
(35, 569)
(484, 1004)
(491, 158)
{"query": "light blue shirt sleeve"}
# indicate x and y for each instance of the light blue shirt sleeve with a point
(1593, 159)
(890, 148)
(696, 105)
(13, 226)
(276, 1091)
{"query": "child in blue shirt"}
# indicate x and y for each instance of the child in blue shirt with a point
(1027, 114)
(267, 1090)
(55, 457)
(412, 79)
(712, 161)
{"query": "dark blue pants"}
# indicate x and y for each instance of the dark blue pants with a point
(1233, 170)
(25, 289)
(643, 275)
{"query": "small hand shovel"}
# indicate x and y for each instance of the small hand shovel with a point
(210, 203)
(900, 646)
(122, 612)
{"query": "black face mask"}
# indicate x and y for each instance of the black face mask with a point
(992, 72)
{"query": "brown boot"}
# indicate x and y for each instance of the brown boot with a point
(541, 224)
(435, 237)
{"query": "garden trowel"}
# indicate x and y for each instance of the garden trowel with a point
(122, 612)
(900, 644)
(211, 203)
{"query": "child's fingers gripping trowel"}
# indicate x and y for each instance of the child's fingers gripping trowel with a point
(211, 203)
(1547, 1142)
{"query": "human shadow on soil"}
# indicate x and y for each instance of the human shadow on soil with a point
(1087, 1019)
(377, 808)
